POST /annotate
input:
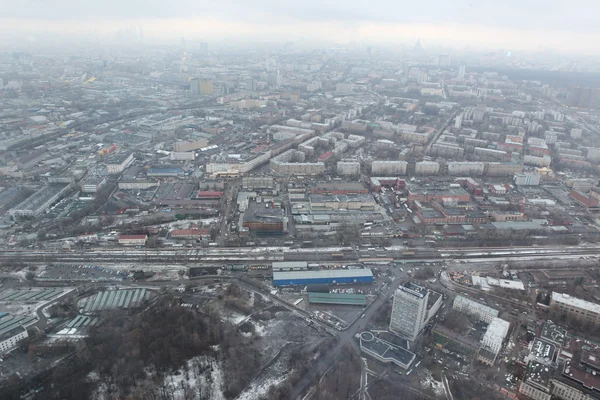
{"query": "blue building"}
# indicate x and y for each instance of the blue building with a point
(325, 276)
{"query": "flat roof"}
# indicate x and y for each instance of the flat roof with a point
(322, 273)
(337, 298)
(289, 264)
(386, 350)
(575, 302)
(497, 329)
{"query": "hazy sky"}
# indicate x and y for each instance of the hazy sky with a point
(571, 25)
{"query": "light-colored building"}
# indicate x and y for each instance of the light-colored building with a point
(10, 337)
(388, 168)
(118, 164)
(351, 168)
(466, 168)
(536, 384)
(133, 240)
(206, 87)
(527, 179)
(543, 161)
(137, 185)
(409, 311)
(586, 312)
(92, 184)
(258, 182)
(190, 146)
(480, 311)
(425, 168)
(183, 155)
(38, 202)
(576, 133)
(494, 337)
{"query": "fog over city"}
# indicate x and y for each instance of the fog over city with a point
(570, 26)
(315, 200)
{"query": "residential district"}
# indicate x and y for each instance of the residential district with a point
(338, 223)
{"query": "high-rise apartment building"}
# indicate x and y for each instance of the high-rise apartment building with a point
(409, 311)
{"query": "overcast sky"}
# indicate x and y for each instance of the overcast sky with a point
(571, 25)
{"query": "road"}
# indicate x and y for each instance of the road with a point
(439, 132)
(344, 338)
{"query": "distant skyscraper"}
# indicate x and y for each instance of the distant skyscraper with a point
(443, 60)
(195, 86)
(461, 72)
(584, 97)
(418, 46)
(206, 88)
(409, 311)
(203, 49)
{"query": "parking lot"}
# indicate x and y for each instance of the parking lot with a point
(91, 273)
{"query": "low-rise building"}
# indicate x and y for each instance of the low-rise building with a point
(11, 336)
(385, 352)
(133, 240)
(117, 164)
(480, 311)
(585, 311)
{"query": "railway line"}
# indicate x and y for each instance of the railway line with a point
(270, 254)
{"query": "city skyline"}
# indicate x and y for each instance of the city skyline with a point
(561, 26)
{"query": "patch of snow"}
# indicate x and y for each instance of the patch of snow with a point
(209, 383)
(259, 390)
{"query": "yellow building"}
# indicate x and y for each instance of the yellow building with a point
(206, 88)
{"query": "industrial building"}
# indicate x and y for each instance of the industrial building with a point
(39, 202)
(189, 146)
(265, 220)
(137, 184)
(183, 155)
(319, 202)
(92, 184)
(480, 311)
(289, 266)
(346, 299)
(325, 276)
(133, 240)
(117, 164)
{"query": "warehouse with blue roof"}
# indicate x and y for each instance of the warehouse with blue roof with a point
(323, 276)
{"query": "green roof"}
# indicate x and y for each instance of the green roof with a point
(337, 298)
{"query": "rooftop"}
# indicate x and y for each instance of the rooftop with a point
(338, 298)
(538, 373)
(322, 273)
(382, 349)
(575, 302)
(553, 332)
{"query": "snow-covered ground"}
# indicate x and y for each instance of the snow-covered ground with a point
(209, 382)
(429, 382)
(203, 375)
